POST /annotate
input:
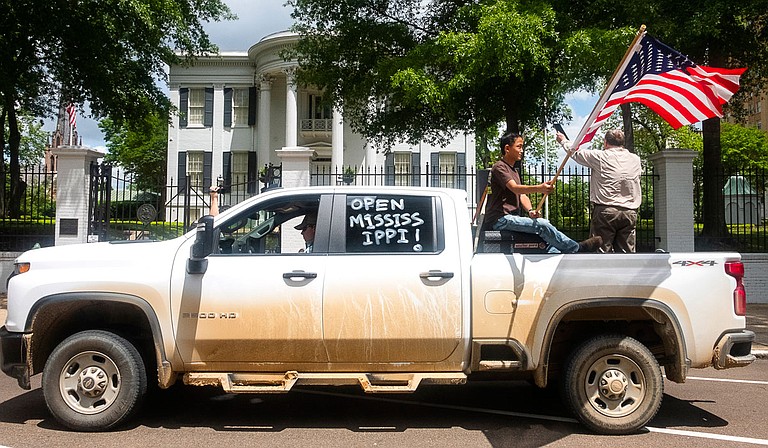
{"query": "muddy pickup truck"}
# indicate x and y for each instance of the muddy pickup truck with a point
(390, 295)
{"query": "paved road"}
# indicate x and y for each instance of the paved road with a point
(713, 409)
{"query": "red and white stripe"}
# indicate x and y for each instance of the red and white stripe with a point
(678, 97)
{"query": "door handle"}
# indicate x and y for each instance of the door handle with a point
(299, 274)
(436, 274)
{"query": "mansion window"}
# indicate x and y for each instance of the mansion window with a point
(196, 107)
(240, 107)
(448, 170)
(195, 168)
(402, 168)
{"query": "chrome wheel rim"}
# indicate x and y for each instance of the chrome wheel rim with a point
(89, 382)
(615, 385)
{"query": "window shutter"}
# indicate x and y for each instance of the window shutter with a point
(181, 180)
(389, 169)
(251, 106)
(253, 173)
(434, 161)
(183, 107)
(415, 170)
(208, 111)
(461, 171)
(227, 162)
(207, 169)
(228, 108)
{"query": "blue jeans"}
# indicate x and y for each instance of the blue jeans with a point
(557, 240)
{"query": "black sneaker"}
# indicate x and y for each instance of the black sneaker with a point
(591, 244)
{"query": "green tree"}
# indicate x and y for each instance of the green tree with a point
(107, 52)
(717, 33)
(743, 147)
(32, 141)
(405, 70)
(139, 146)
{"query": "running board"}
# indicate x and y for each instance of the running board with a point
(283, 382)
(499, 365)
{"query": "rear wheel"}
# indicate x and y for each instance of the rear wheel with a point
(613, 384)
(93, 381)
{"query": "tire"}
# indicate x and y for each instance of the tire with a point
(93, 381)
(613, 384)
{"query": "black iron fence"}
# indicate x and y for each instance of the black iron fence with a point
(744, 194)
(28, 220)
(120, 209)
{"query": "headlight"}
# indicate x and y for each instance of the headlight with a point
(20, 268)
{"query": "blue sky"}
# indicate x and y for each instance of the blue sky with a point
(258, 18)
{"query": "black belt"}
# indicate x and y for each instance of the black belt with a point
(594, 204)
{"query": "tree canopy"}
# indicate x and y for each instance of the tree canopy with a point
(404, 70)
(140, 147)
(111, 53)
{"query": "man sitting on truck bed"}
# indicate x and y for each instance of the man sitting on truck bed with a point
(507, 195)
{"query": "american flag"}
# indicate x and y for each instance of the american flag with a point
(72, 112)
(669, 83)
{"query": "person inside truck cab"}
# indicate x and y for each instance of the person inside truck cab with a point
(307, 227)
(508, 197)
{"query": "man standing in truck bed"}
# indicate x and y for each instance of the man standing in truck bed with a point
(508, 195)
(614, 191)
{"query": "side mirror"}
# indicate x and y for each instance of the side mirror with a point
(202, 247)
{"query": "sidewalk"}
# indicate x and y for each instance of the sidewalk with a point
(757, 321)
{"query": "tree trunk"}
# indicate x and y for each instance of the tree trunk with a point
(3, 176)
(629, 133)
(713, 204)
(14, 141)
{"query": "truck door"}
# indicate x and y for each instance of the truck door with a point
(392, 289)
(260, 299)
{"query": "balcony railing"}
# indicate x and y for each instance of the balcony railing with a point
(316, 125)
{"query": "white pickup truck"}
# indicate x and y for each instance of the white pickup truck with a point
(391, 296)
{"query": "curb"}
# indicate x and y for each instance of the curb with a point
(760, 354)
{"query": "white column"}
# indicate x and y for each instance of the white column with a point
(673, 199)
(265, 98)
(291, 109)
(337, 141)
(73, 183)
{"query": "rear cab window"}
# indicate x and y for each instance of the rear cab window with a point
(391, 223)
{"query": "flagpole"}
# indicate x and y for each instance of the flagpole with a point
(599, 105)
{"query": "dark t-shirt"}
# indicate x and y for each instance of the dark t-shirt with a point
(501, 200)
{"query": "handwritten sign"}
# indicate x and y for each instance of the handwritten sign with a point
(386, 223)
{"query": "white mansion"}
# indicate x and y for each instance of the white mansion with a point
(241, 111)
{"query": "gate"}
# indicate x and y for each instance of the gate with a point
(99, 200)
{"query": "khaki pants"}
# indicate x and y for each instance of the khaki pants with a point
(616, 225)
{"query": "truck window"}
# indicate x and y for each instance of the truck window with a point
(268, 228)
(390, 223)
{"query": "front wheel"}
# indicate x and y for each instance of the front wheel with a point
(613, 384)
(93, 381)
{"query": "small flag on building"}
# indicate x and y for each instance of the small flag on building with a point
(72, 112)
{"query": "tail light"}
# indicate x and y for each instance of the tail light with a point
(736, 270)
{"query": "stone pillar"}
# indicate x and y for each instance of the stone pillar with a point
(295, 161)
(337, 142)
(291, 109)
(73, 183)
(673, 199)
(265, 98)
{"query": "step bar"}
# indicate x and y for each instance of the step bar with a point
(283, 382)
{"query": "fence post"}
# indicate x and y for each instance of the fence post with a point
(673, 199)
(295, 166)
(73, 184)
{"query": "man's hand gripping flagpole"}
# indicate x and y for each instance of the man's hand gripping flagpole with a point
(598, 107)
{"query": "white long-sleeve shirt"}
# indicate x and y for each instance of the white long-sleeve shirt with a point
(615, 178)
